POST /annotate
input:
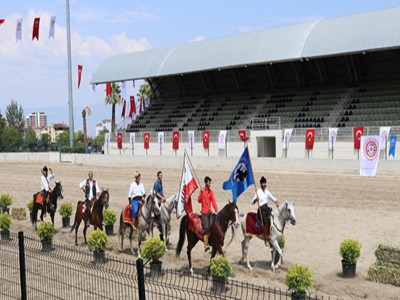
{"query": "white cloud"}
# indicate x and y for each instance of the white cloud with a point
(198, 38)
(127, 16)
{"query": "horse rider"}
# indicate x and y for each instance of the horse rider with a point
(45, 186)
(159, 192)
(136, 196)
(91, 190)
(262, 196)
(207, 199)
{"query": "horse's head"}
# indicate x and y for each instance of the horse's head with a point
(152, 203)
(287, 210)
(104, 198)
(231, 213)
(58, 190)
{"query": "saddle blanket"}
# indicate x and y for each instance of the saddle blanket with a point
(39, 198)
(251, 228)
(194, 225)
(128, 214)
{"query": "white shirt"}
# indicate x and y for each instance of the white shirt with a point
(45, 182)
(263, 197)
(83, 185)
(136, 190)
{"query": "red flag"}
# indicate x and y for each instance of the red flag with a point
(242, 134)
(187, 187)
(358, 132)
(119, 140)
(146, 140)
(175, 140)
(79, 75)
(206, 138)
(123, 110)
(2, 21)
(133, 107)
(35, 32)
(310, 136)
(108, 89)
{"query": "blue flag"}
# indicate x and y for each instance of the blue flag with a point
(392, 148)
(241, 177)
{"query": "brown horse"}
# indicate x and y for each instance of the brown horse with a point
(220, 223)
(96, 218)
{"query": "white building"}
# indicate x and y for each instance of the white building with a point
(36, 120)
(104, 124)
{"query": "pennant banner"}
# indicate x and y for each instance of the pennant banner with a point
(357, 134)
(175, 140)
(287, 134)
(132, 110)
(35, 31)
(161, 140)
(119, 140)
(123, 90)
(242, 135)
(146, 140)
(132, 139)
(206, 139)
(384, 134)
(107, 139)
(79, 75)
(310, 137)
(332, 137)
(52, 27)
(369, 155)
(18, 33)
(123, 110)
(108, 89)
(191, 139)
(222, 139)
(392, 147)
(2, 21)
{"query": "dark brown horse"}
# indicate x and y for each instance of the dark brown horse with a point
(220, 223)
(96, 218)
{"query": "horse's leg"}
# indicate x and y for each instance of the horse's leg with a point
(140, 230)
(130, 240)
(245, 251)
(279, 250)
(164, 233)
(122, 234)
(192, 241)
(84, 232)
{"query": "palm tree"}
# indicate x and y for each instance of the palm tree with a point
(114, 99)
(85, 111)
(145, 91)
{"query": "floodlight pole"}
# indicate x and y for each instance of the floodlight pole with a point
(70, 102)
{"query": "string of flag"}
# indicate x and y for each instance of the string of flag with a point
(35, 28)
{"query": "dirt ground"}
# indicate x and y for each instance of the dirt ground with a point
(328, 208)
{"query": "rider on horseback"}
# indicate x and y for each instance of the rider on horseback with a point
(262, 196)
(136, 196)
(206, 198)
(45, 186)
(91, 190)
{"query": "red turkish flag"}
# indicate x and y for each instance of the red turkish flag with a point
(358, 133)
(79, 75)
(206, 138)
(108, 89)
(242, 134)
(119, 140)
(35, 32)
(123, 110)
(2, 21)
(133, 107)
(175, 140)
(146, 139)
(310, 136)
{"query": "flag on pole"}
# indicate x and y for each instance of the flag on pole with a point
(357, 134)
(187, 187)
(222, 139)
(18, 33)
(161, 140)
(132, 110)
(332, 137)
(242, 135)
(392, 147)
(123, 110)
(206, 139)
(132, 138)
(2, 21)
(35, 31)
(146, 139)
(384, 133)
(107, 139)
(287, 134)
(79, 75)
(241, 177)
(191, 139)
(52, 27)
(369, 155)
(108, 89)
(310, 137)
(175, 140)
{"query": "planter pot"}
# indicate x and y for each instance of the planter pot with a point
(109, 229)
(5, 210)
(349, 270)
(66, 222)
(298, 296)
(5, 235)
(99, 257)
(155, 269)
(218, 285)
(46, 245)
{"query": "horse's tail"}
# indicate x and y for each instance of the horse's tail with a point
(182, 232)
(121, 223)
(76, 216)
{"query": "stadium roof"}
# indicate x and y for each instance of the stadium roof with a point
(360, 33)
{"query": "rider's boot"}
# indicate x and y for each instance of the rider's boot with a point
(134, 223)
(206, 246)
(87, 217)
(265, 231)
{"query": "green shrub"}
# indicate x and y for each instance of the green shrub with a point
(153, 249)
(5, 221)
(299, 279)
(29, 205)
(5, 200)
(350, 250)
(65, 210)
(220, 267)
(97, 240)
(45, 231)
(282, 241)
(109, 217)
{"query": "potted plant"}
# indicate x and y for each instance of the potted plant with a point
(45, 232)
(299, 279)
(5, 223)
(153, 249)
(65, 212)
(5, 201)
(97, 241)
(29, 205)
(220, 269)
(109, 218)
(350, 250)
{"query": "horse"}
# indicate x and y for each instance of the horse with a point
(96, 218)
(51, 205)
(283, 214)
(145, 211)
(220, 222)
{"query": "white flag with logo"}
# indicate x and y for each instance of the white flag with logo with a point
(191, 139)
(222, 139)
(160, 140)
(52, 27)
(107, 139)
(187, 187)
(287, 134)
(332, 137)
(123, 91)
(18, 33)
(132, 139)
(384, 134)
(369, 155)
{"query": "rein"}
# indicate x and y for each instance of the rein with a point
(285, 220)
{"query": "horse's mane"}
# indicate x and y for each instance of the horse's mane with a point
(98, 202)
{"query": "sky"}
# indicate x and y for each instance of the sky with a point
(35, 73)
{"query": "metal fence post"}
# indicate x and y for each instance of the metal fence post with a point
(140, 274)
(22, 264)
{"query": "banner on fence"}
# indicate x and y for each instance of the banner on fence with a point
(332, 137)
(310, 137)
(191, 139)
(384, 133)
(119, 140)
(287, 133)
(206, 139)
(107, 139)
(222, 139)
(160, 140)
(357, 134)
(175, 140)
(146, 140)
(132, 138)
(392, 148)
(369, 155)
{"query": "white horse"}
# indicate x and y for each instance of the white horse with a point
(284, 213)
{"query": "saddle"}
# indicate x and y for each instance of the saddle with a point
(91, 205)
(194, 225)
(38, 198)
(128, 216)
(253, 230)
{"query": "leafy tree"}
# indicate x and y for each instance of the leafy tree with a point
(2, 126)
(44, 142)
(31, 140)
(113, 100)
(15, 115)
(145, 90)
(11, 138)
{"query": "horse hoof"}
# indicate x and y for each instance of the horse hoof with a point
(250, 267)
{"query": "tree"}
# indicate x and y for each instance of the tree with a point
(44, 142)
(2, 126)
(85, 111)
(31, 140)
(11, 138)
(15, 115)
(145, 90)
(114, 99)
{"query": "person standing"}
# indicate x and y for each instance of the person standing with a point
(45, 186)
(262, 196)
(91, 190)
(207, 199)
(136, 196)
